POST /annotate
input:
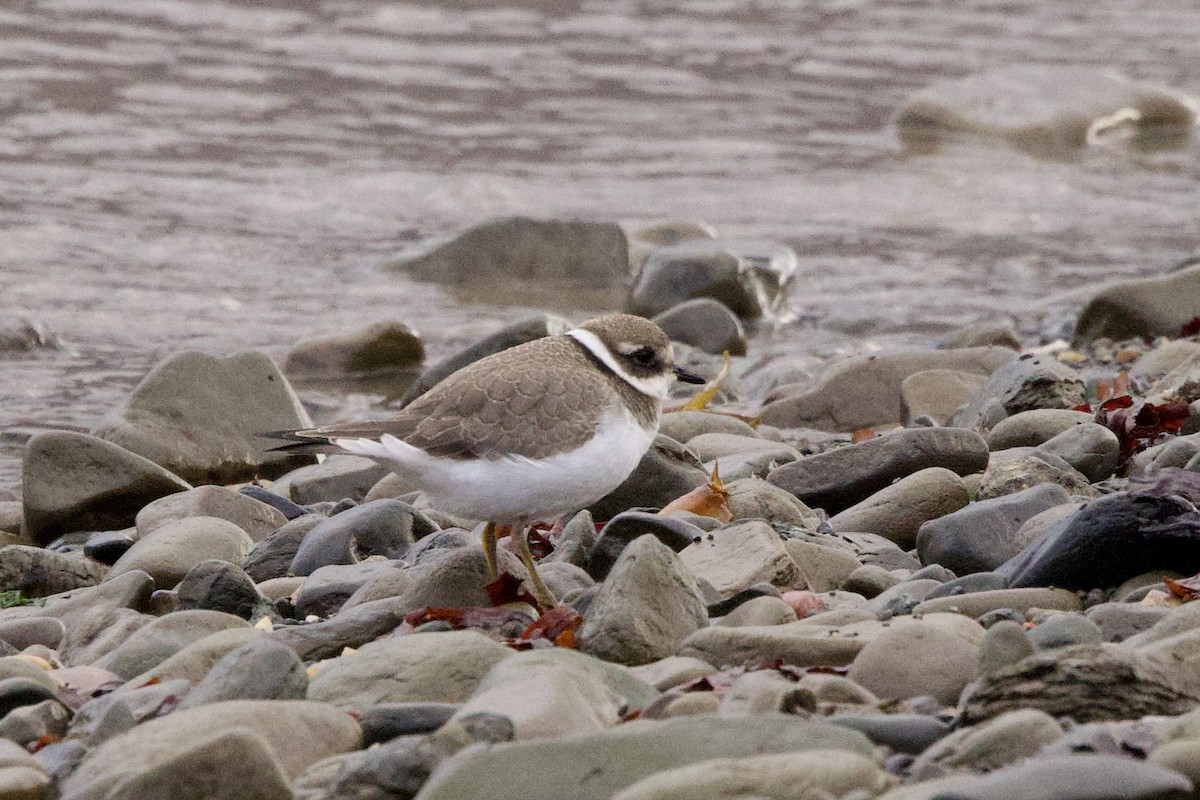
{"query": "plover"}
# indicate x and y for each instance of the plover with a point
(527, 434)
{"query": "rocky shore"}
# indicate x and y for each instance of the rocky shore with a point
(963, 571)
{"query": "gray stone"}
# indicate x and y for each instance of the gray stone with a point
(1032, 428)
(1008, 475)
(456, 580)
(972, 582)
(1005, 643)
(385, 721)
(837, 479)
(647, 605)
(22, 633)
(297, 733)
(177, 546)
(667, 471)
(338, 477)
(870, 580)
(900, 598)
(684, 425)
(983, 535)
(755, 498)
(897, 512)
(597, 766)
(29, 724)
(672, 671)
(75, 482)
(272, 557)
(437, 667)
(758, 611)
(706, 324)
(976, 604)
(710, 446)
(1142, 308)
(1024, 384)
(1039, 523)
(866, 391)
(1000, 333)
(1064, 630)
(260, 669)
(380, 528)
(622, 529)
(218, 586)
(201, 417)
(163, 638)
(823, 567)
(739, 555)
(792, 643)
(937, 393)
(390, 350)
(1095, 777)
(921, 658)
(749, 277)
(1092, 449)
(525, 330)
(193, 662)
(326, 589)
(391, 582)
(1117, 621)
(350, 628)
(991, 745)
(255, 518)
(901, 733)
(35, 572)
(576, 542)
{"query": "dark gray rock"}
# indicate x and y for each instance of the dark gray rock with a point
(525, 330)
(75, 482)
(272, 557)
(381, 351)
(667, 471)
(386, 721)
(338, 477)
(622, 529)
(353, 627)
(18, 692)
(902, 733)
(976, 582)
(289, 509)
(837, 479)
(260, 669)
(706, 324)
(257, 519)
(576, 542)
(1111, 539)
(1092, 449)
(751, 278)
(1027, 383)
(1064, 630)
(218, 586)
(1094, 777)
(35, 572)
(435, 545)
(983, 535)
(327, 588)
(107, 547)
(1142, 308)
(382, 527)
(202, 417)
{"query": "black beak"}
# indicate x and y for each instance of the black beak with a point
(689, 377)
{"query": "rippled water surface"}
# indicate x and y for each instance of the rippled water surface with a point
(228, 175)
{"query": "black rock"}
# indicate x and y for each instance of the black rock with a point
(625, 527)
(285, 506)
(386, 721)
(666, 472)
(107, 546)
(272, 557)
(903, 733)
(17, 692)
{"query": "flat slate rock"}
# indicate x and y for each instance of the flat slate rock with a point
(837, 479)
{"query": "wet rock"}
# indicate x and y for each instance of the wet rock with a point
(425, 667)
(1141, 308)
(866, 391)
(164, 637)
(338, 477)
(1032, 428)
(898, 511)
(218, 586)
(831, 773)
(177, 546)
(667, 471)
(1064, 630)
(1098, 777)
(1008, 475)
(328, 588)
(383, 527)
(684, 425)
(921, 658)
(706, 324)
(837, 479)
(525, 330)
(272, 557)
(389, 350)
(202, 416)
(1024, 384)
(1049, 113)
(297, 733)
(257, 519)
(739, 555)
(35, 572)
(1110, 539)
(1090, 448)
(996, 743)
(624, 528)
(937, 393)
(976, 604)
(981, 536)
(597, 766)
(648, 603)
(260, 669)
(75, 482)
(749, 277)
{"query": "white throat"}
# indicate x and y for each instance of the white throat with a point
(656, 387)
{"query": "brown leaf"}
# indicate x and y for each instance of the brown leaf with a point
(862, 435)
(708, 500)
(558, 625)
(1185, 588)
(508, 588)
(705, 396)
(1191, 327)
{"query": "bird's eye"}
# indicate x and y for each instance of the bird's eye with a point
(644, 356)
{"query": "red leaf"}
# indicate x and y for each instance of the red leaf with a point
(557, 625)
(862, 435)
(1184, 588)
(1191, 327)
(508, 588)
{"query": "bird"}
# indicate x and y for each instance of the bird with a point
(527, 434)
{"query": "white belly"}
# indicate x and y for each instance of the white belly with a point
(516, 489)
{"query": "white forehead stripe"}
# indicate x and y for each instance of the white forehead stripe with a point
(656, 386)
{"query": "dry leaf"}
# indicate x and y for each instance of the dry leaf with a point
(706, 395)
(708, 500)
(862, 435)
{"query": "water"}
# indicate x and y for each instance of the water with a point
(228, 175)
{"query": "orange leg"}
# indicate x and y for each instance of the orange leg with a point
(491, 532)
(544, 596)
